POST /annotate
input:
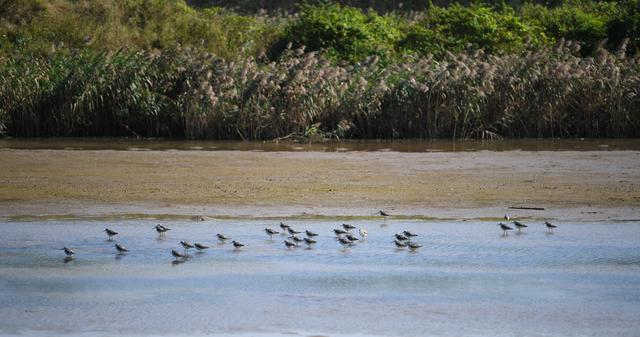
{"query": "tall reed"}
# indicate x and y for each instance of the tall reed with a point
(183, 92)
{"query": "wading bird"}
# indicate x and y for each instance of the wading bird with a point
(186, 245)
(121, 249)
(519, 225)
(68, 251)
(271, 232)
(110, 233)
(348, 227)
(550, 226)
(505, 228)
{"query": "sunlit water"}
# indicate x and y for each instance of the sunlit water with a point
(467, 280)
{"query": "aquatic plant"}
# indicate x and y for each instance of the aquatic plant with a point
(186, 92)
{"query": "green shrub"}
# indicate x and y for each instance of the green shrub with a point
(582, 21)
(456, 28)
(346, 33)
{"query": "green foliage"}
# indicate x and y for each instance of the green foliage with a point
(457, 28)
(582, 21)
(346, 33)
(138, 24)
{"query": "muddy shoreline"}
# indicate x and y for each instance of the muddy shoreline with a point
(67, 184)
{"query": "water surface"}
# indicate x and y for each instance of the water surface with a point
(124, 144)
(468, 280)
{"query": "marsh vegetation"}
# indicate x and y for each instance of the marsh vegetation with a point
(164, 69)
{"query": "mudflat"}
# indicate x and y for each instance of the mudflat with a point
(577, 185)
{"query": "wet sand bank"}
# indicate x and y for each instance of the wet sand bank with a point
(576, 185)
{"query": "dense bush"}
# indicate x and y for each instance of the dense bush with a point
(345, 33)
(456, 28)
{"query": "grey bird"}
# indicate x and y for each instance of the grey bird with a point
(271, 232)
(120, 248)
(409, 234)
(289, 244)
(519, 225)
(400, 244)
(344, 241)
(414, 246)
(68, 251)
(506, 217)
(284, 226)
(200, 246)
(292, 231)
(505, 228)
(222, 237)
(310, 233)
(348, 227)
(550, 226)
(351, 237)
(339, 231)
(237, 244)
(383, 213)
(309, 241)
(162, 229)
(177, 254)
(186, 245)
(110, 233)
(296, 238)
(401, 237)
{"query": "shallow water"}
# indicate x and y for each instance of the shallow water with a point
(467, 280)
(438, 145)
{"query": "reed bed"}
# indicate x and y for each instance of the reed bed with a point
(185, 93)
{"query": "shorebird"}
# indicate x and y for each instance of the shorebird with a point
(363, 232)
(400, 244)
(110, 233)
(506, 217)
(162, 229)
(550, 226)
(186, 245)
(200, 246)
(519, 225)
(309, 241)
(296, 238)
(289, 244)
(414, 246)
(344, 241)
(383, 213)
(222, 237)
(310, 233)
(339, 231)
(284, 226)
(177, 254)
(292, 231)
(401, 237)
(237, 244)
(351, 237)
(120, 248)
(505, 228)
(271, 232)
(409, 234)
(68, 251)
(348, 227)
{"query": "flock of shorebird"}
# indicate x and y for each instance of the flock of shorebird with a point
(343, 235)
(520, 226)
